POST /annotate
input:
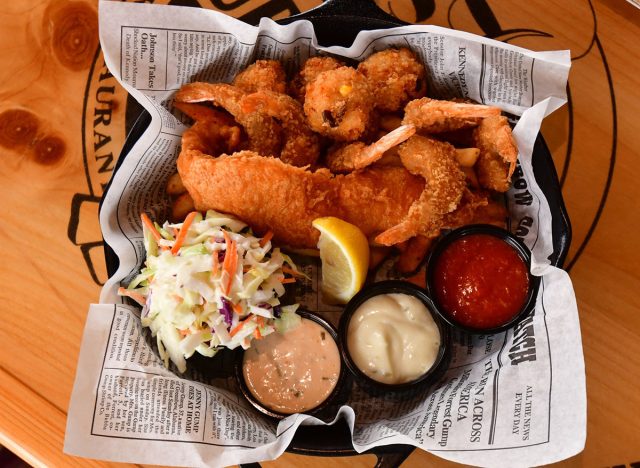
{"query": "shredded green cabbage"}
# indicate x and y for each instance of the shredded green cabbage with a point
(195, 303)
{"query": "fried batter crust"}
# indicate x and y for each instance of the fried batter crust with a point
(272, 195)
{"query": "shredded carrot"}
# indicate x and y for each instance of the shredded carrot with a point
(260, 322)
(287, 280)
(227, 257)
(291, 271)
(236, 329)
(237, 308)
(149, 225)
(418, 279)
(139, 298)
(267, 237)
(183, 232)
(216, 263)
(185, 332)
(239, 326)
(233, 266)
(154, 232)
(230, 260)
(178, 298)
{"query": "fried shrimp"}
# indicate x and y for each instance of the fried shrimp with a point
(309, 71)
(301, 146)
(350, 143)
(338, 104)
(263, 75)
(352, 156)
(265, 135)
(498, 153)
(476, 207)
(436, 162)
(204, 112)
(467, 210)
(221, 94)
(434, 116)
(214, 131)
(395, 77)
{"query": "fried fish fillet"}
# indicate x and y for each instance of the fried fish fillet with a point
(271, 195)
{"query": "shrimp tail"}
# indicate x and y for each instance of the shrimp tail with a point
(354, 156)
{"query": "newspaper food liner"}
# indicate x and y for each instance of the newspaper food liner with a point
(509, 399)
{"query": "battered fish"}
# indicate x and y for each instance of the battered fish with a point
(271, 195)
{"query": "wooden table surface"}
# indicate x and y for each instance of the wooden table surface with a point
(62, 125)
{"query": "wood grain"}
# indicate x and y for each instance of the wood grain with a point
(62, 124)
(38, 440)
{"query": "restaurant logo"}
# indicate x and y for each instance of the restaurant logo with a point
(103, 131)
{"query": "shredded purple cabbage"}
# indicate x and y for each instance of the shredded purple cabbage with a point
(221, 255)
(147, 306)
(277, 311)
(226, 312)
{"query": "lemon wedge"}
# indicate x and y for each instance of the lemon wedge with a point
(344, 253)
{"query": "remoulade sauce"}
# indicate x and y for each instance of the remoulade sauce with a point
(295, 371)
(393, 338)
(480, 281)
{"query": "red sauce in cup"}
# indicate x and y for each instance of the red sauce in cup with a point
(480, 281)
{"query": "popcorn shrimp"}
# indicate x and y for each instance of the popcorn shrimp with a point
(263, 75)
(308, 73)
(395, 77)
(338, 104)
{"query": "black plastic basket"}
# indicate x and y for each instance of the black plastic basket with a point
(337, 22)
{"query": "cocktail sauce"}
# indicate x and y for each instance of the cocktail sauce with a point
(480, 281)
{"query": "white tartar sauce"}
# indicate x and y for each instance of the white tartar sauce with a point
(393, 338)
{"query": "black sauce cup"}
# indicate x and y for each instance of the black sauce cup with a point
(338, 395)
(516, 244)
(432, 375)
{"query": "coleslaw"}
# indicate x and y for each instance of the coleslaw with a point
(208, 283)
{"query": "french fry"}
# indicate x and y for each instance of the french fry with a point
(416, 251)
(390, 122)
(493, 213)
(377, 255)
(181, 207)
(467, 157)
(419, 278)
(402, 246)
(305, 252)
(175, 185)
(472, 179)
